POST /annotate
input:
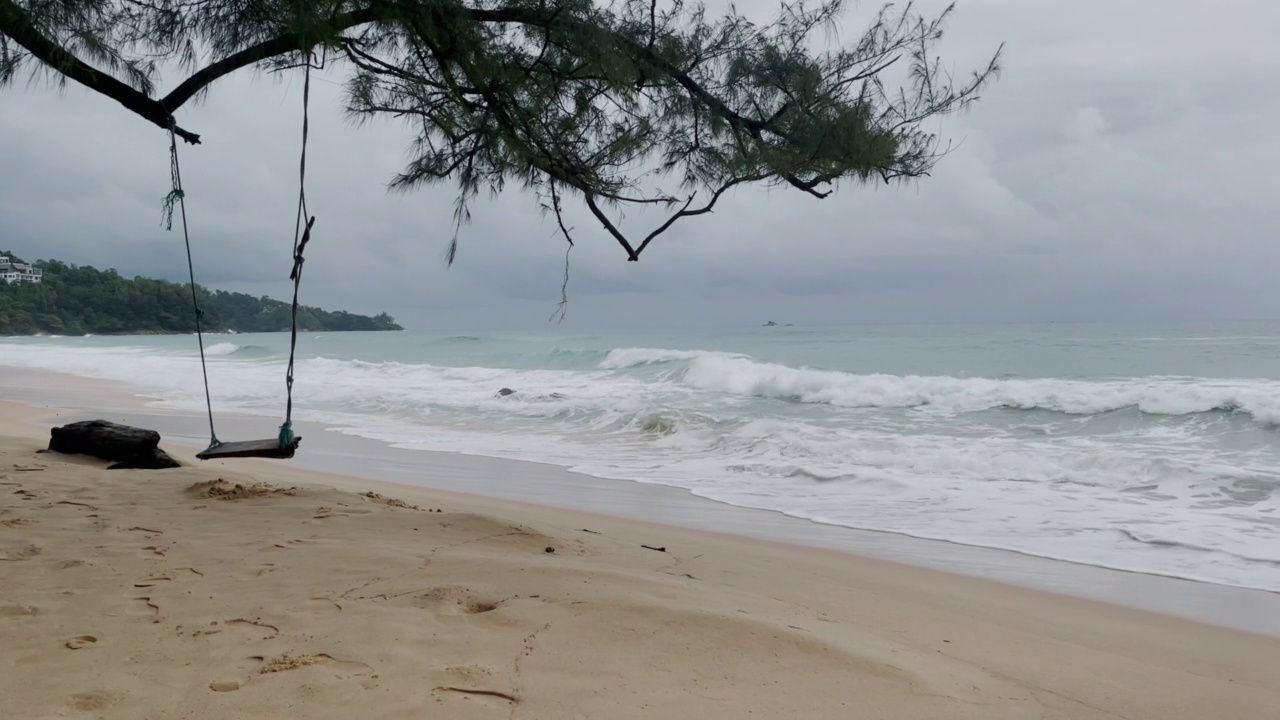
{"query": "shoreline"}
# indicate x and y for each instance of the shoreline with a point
(1072, 471)
(330, 450)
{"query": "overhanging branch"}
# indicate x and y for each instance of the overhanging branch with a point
(686, 212)
(16, 24)
(574, 118)
(280, 45)
(632, 255)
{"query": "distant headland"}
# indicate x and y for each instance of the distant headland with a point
(54, 298)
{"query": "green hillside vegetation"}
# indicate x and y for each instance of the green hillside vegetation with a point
(78, 300)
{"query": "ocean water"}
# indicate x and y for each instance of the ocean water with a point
(1153, 449)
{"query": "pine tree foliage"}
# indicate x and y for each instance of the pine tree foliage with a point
(621, 103)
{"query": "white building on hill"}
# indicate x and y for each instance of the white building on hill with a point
(15, 272)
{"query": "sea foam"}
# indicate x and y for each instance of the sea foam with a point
(1167, 474)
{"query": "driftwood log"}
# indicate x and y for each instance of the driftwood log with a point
(127, 447)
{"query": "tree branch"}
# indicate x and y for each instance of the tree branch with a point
(276, 46)
(632, 255)
(562, 308)
(15, 23)
(686, 212)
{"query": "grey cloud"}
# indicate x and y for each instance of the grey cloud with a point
(1123, 168)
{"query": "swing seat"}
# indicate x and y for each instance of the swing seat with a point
(269, 448)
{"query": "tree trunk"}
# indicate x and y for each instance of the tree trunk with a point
(127, 447)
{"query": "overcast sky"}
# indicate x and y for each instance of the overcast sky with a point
(1125, 167)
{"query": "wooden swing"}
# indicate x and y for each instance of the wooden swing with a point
(286, 443)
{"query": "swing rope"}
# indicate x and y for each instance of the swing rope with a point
(301, 236)
(177, 196)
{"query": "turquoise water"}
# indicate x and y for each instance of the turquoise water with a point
(1147, 448)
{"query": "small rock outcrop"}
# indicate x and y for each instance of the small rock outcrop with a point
(127, 447)
(504, 392)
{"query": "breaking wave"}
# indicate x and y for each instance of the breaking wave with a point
(1185, 482)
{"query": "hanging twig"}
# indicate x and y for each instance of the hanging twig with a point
(562, 307)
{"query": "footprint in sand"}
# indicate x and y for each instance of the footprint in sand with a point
(269, 631)
(242, 674)
(19, 610)
(16, 552)
(492, 698)
(388, 501)
(152, 581)
(293, 661)
(144, 606)
(18, 522)
(290, 661)
(324, 604)
(469, 675)
(225, 686)
(164, 576)
(290, 545)
(80, 642)
(455, 600)
(264, 569)
(90, 701)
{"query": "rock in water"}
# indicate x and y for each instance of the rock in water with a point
(127, 447)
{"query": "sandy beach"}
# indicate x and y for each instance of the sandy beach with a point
(255, 590)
